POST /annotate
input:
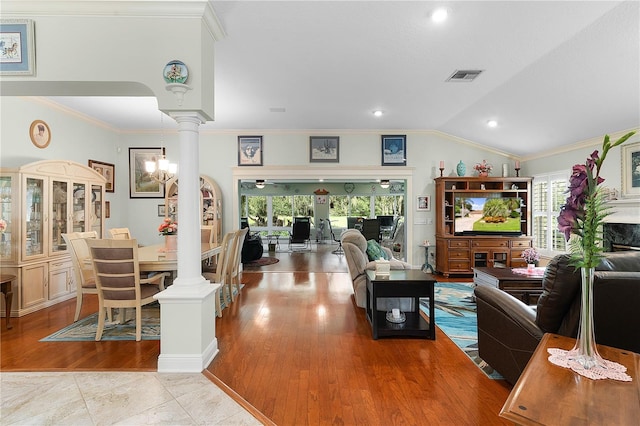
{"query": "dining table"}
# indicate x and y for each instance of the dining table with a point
(156, 258)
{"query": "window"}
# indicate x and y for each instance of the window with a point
(360, 206)
(392, 205)
(254, 208)
(303, 205)
(549, 194)
(281, 208)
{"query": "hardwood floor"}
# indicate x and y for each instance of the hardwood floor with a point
(295, 347)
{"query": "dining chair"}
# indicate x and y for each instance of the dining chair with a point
(82, 267)
(233, 269)
(118, 280)
(120, 233)
(220, 275)
(206, 237)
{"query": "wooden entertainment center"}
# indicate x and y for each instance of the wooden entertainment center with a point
(459, 254)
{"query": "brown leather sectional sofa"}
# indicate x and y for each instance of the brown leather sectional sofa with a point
(509, 330)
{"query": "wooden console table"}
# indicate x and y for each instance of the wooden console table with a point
(546, 394)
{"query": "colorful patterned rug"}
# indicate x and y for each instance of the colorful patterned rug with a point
(456, 317)
(84, 330)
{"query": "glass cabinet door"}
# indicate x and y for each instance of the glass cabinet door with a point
(97, 214)
(34, 228)
(6, 234)
(79, 207)
(59, 217)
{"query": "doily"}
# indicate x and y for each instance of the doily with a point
(608, 369)
(536, 272)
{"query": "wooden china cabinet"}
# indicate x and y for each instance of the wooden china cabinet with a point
(39, 202)
(458, 251)
(210, 204)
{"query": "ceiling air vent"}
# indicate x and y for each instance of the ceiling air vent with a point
(464, 75)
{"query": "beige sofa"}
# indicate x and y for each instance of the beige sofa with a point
(355, 251)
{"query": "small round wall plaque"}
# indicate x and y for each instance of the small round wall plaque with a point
(40, 134)
(176, 72)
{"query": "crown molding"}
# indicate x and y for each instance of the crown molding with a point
(118, 8)
(591, 142)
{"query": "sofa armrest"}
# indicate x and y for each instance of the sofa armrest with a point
(507, 331)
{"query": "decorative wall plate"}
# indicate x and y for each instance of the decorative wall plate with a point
(176, 72)
(349, 187)
(40, 134)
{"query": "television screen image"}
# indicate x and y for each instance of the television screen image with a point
(479, 215)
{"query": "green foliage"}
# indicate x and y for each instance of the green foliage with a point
(495, 207)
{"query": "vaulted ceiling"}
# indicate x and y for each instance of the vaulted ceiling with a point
(554, 73)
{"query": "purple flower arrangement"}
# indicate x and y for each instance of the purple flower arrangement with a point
(584, 211)
(530, 255)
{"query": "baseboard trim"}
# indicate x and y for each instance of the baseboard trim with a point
(188, 363)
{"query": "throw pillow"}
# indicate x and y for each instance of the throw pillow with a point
(375, 251)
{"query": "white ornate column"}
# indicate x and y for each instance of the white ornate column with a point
(187, 308)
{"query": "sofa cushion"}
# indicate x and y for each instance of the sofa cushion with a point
(374, 251)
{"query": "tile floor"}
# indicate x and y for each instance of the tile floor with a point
(116, 398)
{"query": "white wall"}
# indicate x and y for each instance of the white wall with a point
(564, 161)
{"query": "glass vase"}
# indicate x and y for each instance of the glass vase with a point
(171, 242)
(585, 352)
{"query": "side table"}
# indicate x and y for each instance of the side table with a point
(546, 394)
(401, 283)
(5, 286)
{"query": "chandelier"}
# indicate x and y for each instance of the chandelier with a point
(161, 170)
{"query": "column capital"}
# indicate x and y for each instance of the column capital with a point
(195, 117)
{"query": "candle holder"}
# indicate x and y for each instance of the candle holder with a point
(441, 170)
(517, 171)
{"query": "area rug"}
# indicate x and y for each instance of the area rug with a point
(456, 317)
(263, 261)
(84, 330)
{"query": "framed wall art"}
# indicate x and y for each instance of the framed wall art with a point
(249, 150)
(631, 170)
(141, 183)
(17, 47)
(108, 171)
(324, 149)
(161, 210)
(40, 134)
(394, 150)
(424, 203)
(107, 209)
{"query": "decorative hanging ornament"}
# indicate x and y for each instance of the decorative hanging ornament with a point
(176, 72)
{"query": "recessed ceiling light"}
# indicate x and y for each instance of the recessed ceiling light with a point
(439, 15)
(378, 113)
(492, 123)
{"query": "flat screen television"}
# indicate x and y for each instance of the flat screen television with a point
(479, 214)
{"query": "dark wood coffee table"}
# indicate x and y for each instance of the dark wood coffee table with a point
(527, 288)
(401, 283)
